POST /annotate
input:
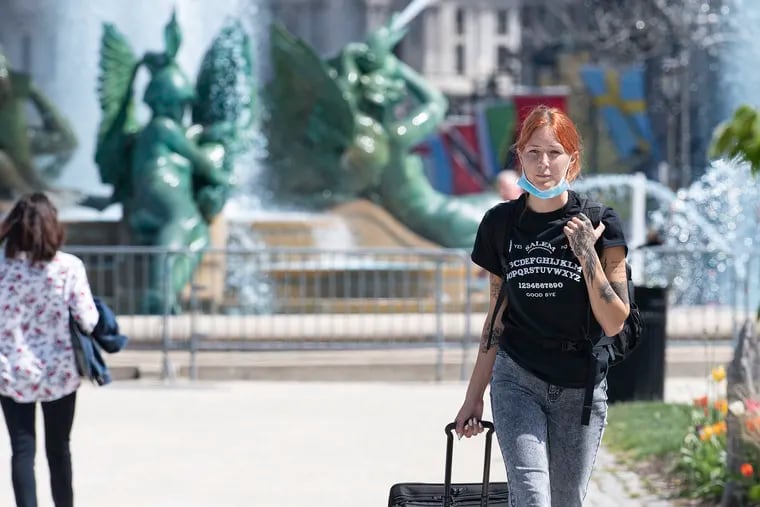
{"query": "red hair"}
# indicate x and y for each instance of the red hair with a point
(563, 129)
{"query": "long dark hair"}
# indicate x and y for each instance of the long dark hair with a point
(32, 226)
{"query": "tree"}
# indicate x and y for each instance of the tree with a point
(739, 138)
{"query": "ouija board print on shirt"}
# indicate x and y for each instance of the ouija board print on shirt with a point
(546, 290)
(545, 285)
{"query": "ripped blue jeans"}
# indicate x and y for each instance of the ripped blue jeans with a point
(549, 455)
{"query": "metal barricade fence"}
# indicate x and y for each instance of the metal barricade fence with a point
(268, 299)
(292, 298)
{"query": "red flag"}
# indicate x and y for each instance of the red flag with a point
(525, 103)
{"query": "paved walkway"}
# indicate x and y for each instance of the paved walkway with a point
(278, 444)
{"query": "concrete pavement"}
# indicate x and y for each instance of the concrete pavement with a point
(280, 444)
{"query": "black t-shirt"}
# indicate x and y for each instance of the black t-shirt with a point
(546, 291)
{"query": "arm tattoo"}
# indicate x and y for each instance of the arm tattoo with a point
(582, 245)
(606, 292)
(489, 337)
(589, 261)
(495, 288)
(621, 289)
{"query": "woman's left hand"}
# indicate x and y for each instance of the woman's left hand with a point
(581, 235)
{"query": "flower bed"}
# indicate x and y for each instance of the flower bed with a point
(704, 456)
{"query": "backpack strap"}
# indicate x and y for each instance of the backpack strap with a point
(594, 211)
(504, 234)
(502, 239)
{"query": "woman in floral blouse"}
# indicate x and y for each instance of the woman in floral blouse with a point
(38, 287)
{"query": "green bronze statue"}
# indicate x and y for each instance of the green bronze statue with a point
(335, 133)
(30, 155)
(172, 177)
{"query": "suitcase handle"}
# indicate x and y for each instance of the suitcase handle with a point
(447, 500)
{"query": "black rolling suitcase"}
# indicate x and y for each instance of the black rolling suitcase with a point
(417, 494)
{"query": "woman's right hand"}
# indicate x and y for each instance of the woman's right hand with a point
(468, 418)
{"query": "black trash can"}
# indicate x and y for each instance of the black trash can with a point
(642, 375)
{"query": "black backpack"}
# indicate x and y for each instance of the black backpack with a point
(606, 351)
(620, 346)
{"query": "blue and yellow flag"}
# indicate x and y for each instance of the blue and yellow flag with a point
(619, 96)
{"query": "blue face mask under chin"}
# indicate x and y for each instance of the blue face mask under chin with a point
(549, 193)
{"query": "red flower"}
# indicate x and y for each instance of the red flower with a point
(751, 405)
(746, 469)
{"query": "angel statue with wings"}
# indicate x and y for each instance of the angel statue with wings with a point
(173, 178)
(348, 127)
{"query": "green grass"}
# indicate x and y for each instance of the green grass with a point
(642, 430)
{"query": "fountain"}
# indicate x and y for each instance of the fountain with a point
(254, 216)
(361, 197)
(622, 189)
(354, 121)
(711, 227)
(710, 231)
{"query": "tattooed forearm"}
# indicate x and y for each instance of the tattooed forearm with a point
(589, 265)
(582, 245)
(606, 292)
(485, 340)
(621, 289)
(490, 335)
(495, 288)
(582, 241)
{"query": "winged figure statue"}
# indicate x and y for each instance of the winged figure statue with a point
(173, 177)
(347, 127)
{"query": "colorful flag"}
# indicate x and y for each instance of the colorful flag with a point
(632, 95)
(437, 165)
(525, 102)
(496, 130)
(620, 99)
